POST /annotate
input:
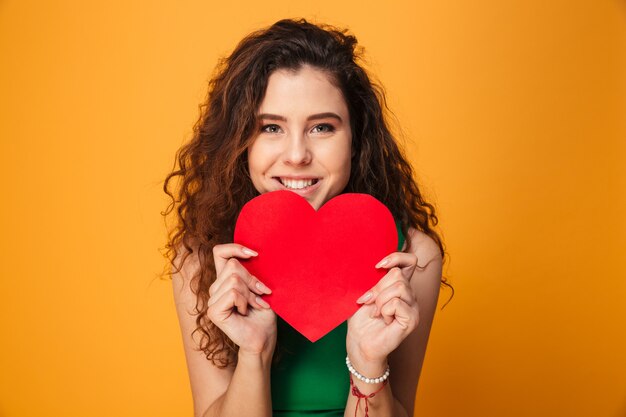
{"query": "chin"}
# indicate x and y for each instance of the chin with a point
(317, 204)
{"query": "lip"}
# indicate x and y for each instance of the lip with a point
(297, 177)
(304, 192)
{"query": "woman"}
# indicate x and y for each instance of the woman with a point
(291, 109)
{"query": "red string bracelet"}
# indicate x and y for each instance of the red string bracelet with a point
(359, 395)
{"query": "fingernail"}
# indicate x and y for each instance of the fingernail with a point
(364, 297)
(382, 263)
(263, 287)
(262, 302)
(249, 252)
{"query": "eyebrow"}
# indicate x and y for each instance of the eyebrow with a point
(311, 117)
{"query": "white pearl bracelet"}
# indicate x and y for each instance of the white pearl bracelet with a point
(365, 379)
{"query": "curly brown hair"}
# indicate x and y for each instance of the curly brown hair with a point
(214, 181)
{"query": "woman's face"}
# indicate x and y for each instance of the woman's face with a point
(304, 142)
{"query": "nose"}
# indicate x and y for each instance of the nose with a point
(296, 151)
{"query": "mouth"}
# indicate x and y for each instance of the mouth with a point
(301, 186)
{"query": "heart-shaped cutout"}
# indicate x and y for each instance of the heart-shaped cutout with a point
(316, 263)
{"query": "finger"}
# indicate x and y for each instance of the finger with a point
(257, 302)
(404, 315)
(234, 267)
(233, 281)
(222, 253)
(405, 261)
(393, 275)
(225, 305)
(252, 283)
(236, 283)
(262, 302)
(399, 289)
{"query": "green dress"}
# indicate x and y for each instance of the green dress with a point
(311, 379)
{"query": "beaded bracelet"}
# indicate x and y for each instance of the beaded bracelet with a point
(365, 379)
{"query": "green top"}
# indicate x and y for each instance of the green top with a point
(310, 379)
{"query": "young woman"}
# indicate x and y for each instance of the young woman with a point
(291, 109)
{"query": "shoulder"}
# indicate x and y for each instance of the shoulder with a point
(184, 267)
(208, 382)
(424, 247)
(427, 275)
(407, 359)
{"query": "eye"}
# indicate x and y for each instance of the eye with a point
(271, 128)
(324, 128)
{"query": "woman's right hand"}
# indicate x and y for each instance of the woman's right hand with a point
(235, 305)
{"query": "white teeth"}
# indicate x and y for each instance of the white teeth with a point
(296, 184)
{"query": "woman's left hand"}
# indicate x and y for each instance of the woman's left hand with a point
(388, 315)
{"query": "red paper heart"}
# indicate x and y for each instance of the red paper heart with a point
(316, 263)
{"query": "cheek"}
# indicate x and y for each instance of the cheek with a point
(343, 159)
(256, 167)
(337, 160)
(258, 158)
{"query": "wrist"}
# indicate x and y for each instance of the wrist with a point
(256, 358)
(364, 388)
(364, 378)
(368, 367)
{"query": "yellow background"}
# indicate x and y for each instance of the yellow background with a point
(515, 112)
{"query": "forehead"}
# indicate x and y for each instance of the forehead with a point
(307, 90)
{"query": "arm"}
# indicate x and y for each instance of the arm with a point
(215, 391)
(398, 396)
(407, 359)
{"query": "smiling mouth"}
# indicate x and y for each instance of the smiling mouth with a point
(293, 184)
